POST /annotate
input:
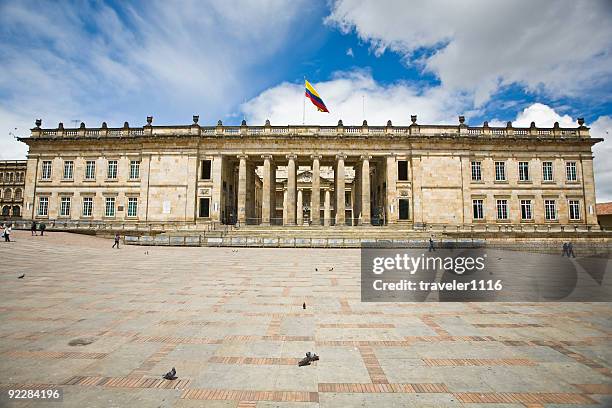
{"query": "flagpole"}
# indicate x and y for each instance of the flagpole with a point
(304, 104)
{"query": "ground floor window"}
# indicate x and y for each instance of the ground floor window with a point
(204, 211)
(6, 211)
(132, 207)
(502, 209)
(65, 207)
(16, 211)
(478, 207)
(404, 209)
(526, 209)
(574, 209)
(550, 210)
(43, 206)
(109, 208)
(87, 206)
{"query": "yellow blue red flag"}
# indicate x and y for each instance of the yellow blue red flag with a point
(314, 97)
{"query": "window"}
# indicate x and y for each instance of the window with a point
(90, 170)
(206, 167)
(132, 208)
(18, 194)
(65, 207)
(526, 210)
(8, 194)
(404, 209)
(109, 208)
(68, 169)
(502, 209)
(500, 171)
(46, 170)
(43, 206)
(574, 209)
(87, 206)
(476, 171)
(550, 210)
(134, 169)
(547, 171)
(402, 170)
(523, 171)
(570, 171)
(204, 211)
(112, 169)
(478, 209)
(10, 177)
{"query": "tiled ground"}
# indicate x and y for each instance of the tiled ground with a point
(231, 322)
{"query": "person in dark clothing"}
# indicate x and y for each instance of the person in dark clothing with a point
(33, 228)
(564, 250)
(7, 233)
(42, 228)
(570, 250)
(116, 240)
(431, 245)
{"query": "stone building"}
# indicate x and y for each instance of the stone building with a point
(12, 186)
(414, 176)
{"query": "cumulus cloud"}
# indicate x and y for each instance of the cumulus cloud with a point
(602, 151)
(561, 48)
(346, 94)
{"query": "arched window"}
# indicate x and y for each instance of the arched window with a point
(10, 177)
(16, 211)
(6, 210)
(18, 194)
(8, 194)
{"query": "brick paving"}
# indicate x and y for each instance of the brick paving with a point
(231, 322)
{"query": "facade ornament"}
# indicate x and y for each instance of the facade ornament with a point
(461, 119)
(365, 123)
(580, 122)
(340, 123)
(413, 119)
(508, 125)
(82, 125)
(149, 120)
(219, 123)
(38, 123)
(389, 123)
(104, 125)
(243, 123)
(126, 125)
(60, 126)
(196, 119)
(267, 122)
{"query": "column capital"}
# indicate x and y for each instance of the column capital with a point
(243, 156)
(316, 156)
(267, 157)
(341, 156)
(291, 156)
(365, 157)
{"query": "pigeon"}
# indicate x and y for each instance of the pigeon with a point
(21, 277)
(316, 269)
(304, 306)
(331, 269)
(308, 359)
(171, 375)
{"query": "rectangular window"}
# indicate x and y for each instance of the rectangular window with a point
(43, 206)
(478, 209)
(90, 170)
(134, 169)
(87, 206)
(109, 209)
(112, 169)
(402, 170)
(476, 171)
(523, 171)
(206, 169)
(404, 209)
(502, 209)
(132, 208)
(547, 171)
(574, 209)
(526, 210)
(550, 210)
(204, 211)
(68, 169)
(65, 207)
(46, 170)
(500, 171)
(570, 171)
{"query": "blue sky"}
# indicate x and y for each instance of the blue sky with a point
(491, 60)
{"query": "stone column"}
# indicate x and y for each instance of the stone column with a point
(242, 189)
(365, 190)
(327, 208)
(285, 206)
(356, 196)
(291, 189)
(300, 207)
(315, 195)
(217, 191)
(268, 190)
(340, 183)
(391, 199)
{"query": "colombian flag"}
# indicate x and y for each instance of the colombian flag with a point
(314, 97)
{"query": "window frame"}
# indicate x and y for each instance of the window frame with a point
(523, 170)
(112, 164)
(134, 174)
(500, 165)
(206, 167)
(90, 206)
(90, 169)
(46, 170)
(478, 209)
(502, 209)
(129, 209)
(550, 205)
(43, 199)
(401, 171)
(569, 167)
(476, 170)
(65, 206)
(570, 206)
(526, 210)
(108, 200)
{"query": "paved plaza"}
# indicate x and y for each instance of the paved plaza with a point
(105, 325)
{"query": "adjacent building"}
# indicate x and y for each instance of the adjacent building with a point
(12, 187)
(418, 175)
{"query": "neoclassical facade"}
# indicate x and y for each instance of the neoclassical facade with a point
(12, 186)
(413, 176)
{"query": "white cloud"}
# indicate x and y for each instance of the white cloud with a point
(602, 151)
(561, 47)
(343, 96)
(61, 61)
(543, 116)
(350, 53)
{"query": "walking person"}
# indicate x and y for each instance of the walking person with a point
(564, 250)
(3, 229)
(570, 250)
(33, 228)
(42, 228)
(7, 234)
(431, 245)
(116, 240)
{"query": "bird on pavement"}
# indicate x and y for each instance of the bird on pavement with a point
(171, 375)
(21, 277)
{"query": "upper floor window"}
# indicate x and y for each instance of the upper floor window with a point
(476, 171)
(90, 170)
(500, 171)
(570, 171)
(18, 194)
(8, 194)
(402, 170)
(206, 169)
(111, 172)
(134, 169)
(46, 170)
(523, 171)
(68, 169)
(547, 171)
